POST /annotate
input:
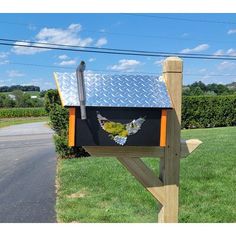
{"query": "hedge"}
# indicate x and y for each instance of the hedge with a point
(59, 118)
(197, 112)
(208, 111)
(22, 112)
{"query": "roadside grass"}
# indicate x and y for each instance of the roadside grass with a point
(21, 120)
(101, 190)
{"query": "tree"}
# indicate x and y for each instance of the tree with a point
(6, 101)
(199, 84)
(196, 91)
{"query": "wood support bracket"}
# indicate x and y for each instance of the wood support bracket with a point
(145, 176)
(187, 147)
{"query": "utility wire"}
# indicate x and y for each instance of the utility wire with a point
(181, 19)
(16, 41)
(128, 34)
(110, 71)
(123, 52)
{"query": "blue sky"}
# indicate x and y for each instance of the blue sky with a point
(116, 31)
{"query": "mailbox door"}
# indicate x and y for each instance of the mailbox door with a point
(89, 132)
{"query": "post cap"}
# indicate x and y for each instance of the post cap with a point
(173, 65)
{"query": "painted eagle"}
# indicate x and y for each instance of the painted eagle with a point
(118, 131)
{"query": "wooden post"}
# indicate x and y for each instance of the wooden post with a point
(169, 165)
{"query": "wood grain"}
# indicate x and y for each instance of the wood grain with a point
(170, 164)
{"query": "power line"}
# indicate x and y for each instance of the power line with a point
(110, 71)
(128, 34)
(103, 48)
(181, 19)
(113, 51)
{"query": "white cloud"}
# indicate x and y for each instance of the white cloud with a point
(125, 65)
(63, 57)
(199, 48)
(3, 62)
(226, 65)
(185, 35)
(26, 50)
(3, 55)
(159, 62)
(92, 59)
(14, 73)
(229, 52)
(32, 27)
(231, 31)
(101, 42)
(219, 52)
(3, 58)
(68, 36)
(67, 63)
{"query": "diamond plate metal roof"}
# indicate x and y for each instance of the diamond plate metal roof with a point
(114, 90)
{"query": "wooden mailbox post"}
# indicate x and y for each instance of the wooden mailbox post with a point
(169, 147)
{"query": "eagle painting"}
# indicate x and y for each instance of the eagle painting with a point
(117, 131)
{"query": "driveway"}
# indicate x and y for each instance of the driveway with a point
(27, 173)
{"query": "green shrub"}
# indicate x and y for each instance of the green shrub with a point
(62, 149)
(59, 119)
(51, 98)
(208, 111)
(22, 112)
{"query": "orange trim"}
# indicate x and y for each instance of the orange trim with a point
(71, 140)
(163, 128)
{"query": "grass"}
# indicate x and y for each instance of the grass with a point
(22, 120)
(101, 190)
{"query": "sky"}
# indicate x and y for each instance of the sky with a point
(197, 34)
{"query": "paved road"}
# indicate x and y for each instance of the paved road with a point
(27, 174)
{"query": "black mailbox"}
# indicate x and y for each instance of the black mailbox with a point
(121, 109)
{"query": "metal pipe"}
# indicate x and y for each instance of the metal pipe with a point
(81, 89)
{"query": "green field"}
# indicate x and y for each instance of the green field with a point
(15, 112)
(21, 120)
(101, 190)
(31, 93)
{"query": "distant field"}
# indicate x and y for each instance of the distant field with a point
(101, 190)
(22, 112)
(31, 93)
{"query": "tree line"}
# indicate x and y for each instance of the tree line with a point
(24, 88)
(200, 89)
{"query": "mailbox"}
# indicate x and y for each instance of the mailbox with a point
(121, 109)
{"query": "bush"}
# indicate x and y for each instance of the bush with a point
(51, 98)
(22, 112)
(208, 111)
(59, 119)
(62, 149)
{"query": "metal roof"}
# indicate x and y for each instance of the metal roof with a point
(114, 90)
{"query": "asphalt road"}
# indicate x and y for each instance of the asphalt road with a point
(27, 174)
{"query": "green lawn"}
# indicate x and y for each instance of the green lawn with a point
(101, 190)
(22, 120)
